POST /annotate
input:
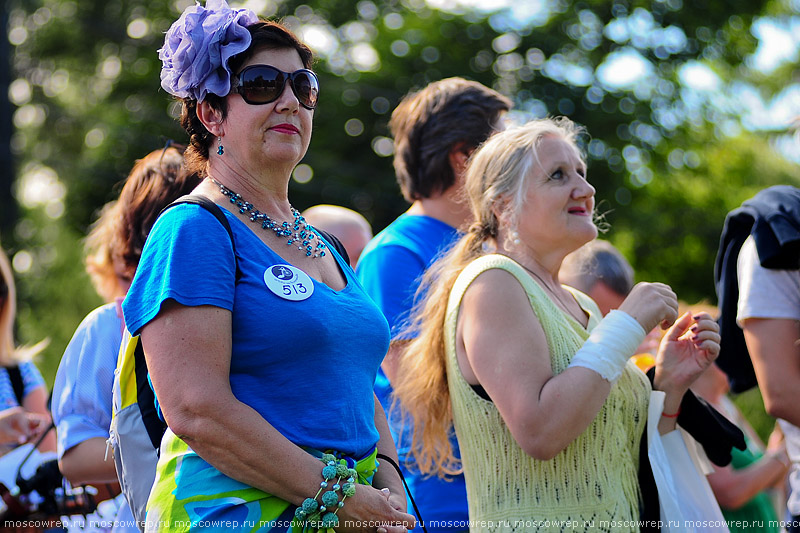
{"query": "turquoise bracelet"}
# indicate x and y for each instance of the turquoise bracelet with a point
(322, 514)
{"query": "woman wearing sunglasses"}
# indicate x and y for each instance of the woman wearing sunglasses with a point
(261, 345)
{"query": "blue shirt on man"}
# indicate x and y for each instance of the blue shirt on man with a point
(391, 269)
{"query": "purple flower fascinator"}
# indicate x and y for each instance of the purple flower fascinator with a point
(197, 48)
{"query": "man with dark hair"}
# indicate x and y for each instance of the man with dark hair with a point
(435, 130)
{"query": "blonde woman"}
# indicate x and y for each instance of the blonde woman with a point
(548, 410)
(21, 384)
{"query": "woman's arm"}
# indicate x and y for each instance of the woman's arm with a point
(188, 353)
(392, 359)
(86, 463)
(502, 346)
(36, 402)
(386, 476)
(734, 488)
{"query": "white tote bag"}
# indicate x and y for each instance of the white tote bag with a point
(679, 466)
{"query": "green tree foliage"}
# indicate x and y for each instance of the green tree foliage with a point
(668, 161)
(671, 228)
(55, 293)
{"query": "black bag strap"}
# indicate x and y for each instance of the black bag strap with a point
(146, 399)
(394, 464)
(214, 209)
(15, 376)
(337, 244)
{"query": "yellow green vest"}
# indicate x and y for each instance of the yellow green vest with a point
(591, 485)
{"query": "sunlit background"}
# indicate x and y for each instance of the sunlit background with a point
(689, 110)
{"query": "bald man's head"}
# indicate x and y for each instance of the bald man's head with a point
(600, 271)
(347, 225)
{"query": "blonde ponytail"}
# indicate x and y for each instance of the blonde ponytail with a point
(495, 186)
(420, 387)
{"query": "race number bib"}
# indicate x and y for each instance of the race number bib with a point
(288, 282)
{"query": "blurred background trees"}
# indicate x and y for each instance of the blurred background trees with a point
(687, 105)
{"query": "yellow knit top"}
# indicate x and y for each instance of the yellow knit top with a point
(592, 484)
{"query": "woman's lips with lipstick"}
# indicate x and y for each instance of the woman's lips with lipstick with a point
(286, 128)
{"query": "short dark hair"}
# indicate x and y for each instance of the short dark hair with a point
(429, 123)
(266, 34)
(598, 261)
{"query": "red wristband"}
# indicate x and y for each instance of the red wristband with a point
(665, 415)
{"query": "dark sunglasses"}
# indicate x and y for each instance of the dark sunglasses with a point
(171, 144)
(262, 84)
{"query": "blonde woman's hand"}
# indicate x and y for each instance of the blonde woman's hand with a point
(651, 304)
(686, 351)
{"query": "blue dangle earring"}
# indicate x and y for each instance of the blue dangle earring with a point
(220, 150)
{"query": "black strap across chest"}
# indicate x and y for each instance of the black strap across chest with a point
(15, 376)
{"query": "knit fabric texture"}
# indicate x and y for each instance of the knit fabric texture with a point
(589, 486)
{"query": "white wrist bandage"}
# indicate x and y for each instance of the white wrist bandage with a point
(610, 345)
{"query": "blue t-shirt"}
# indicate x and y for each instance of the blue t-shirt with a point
(390, 269)
(285, 354)
(31, 378)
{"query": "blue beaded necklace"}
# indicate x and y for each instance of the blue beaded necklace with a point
(299, 231)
